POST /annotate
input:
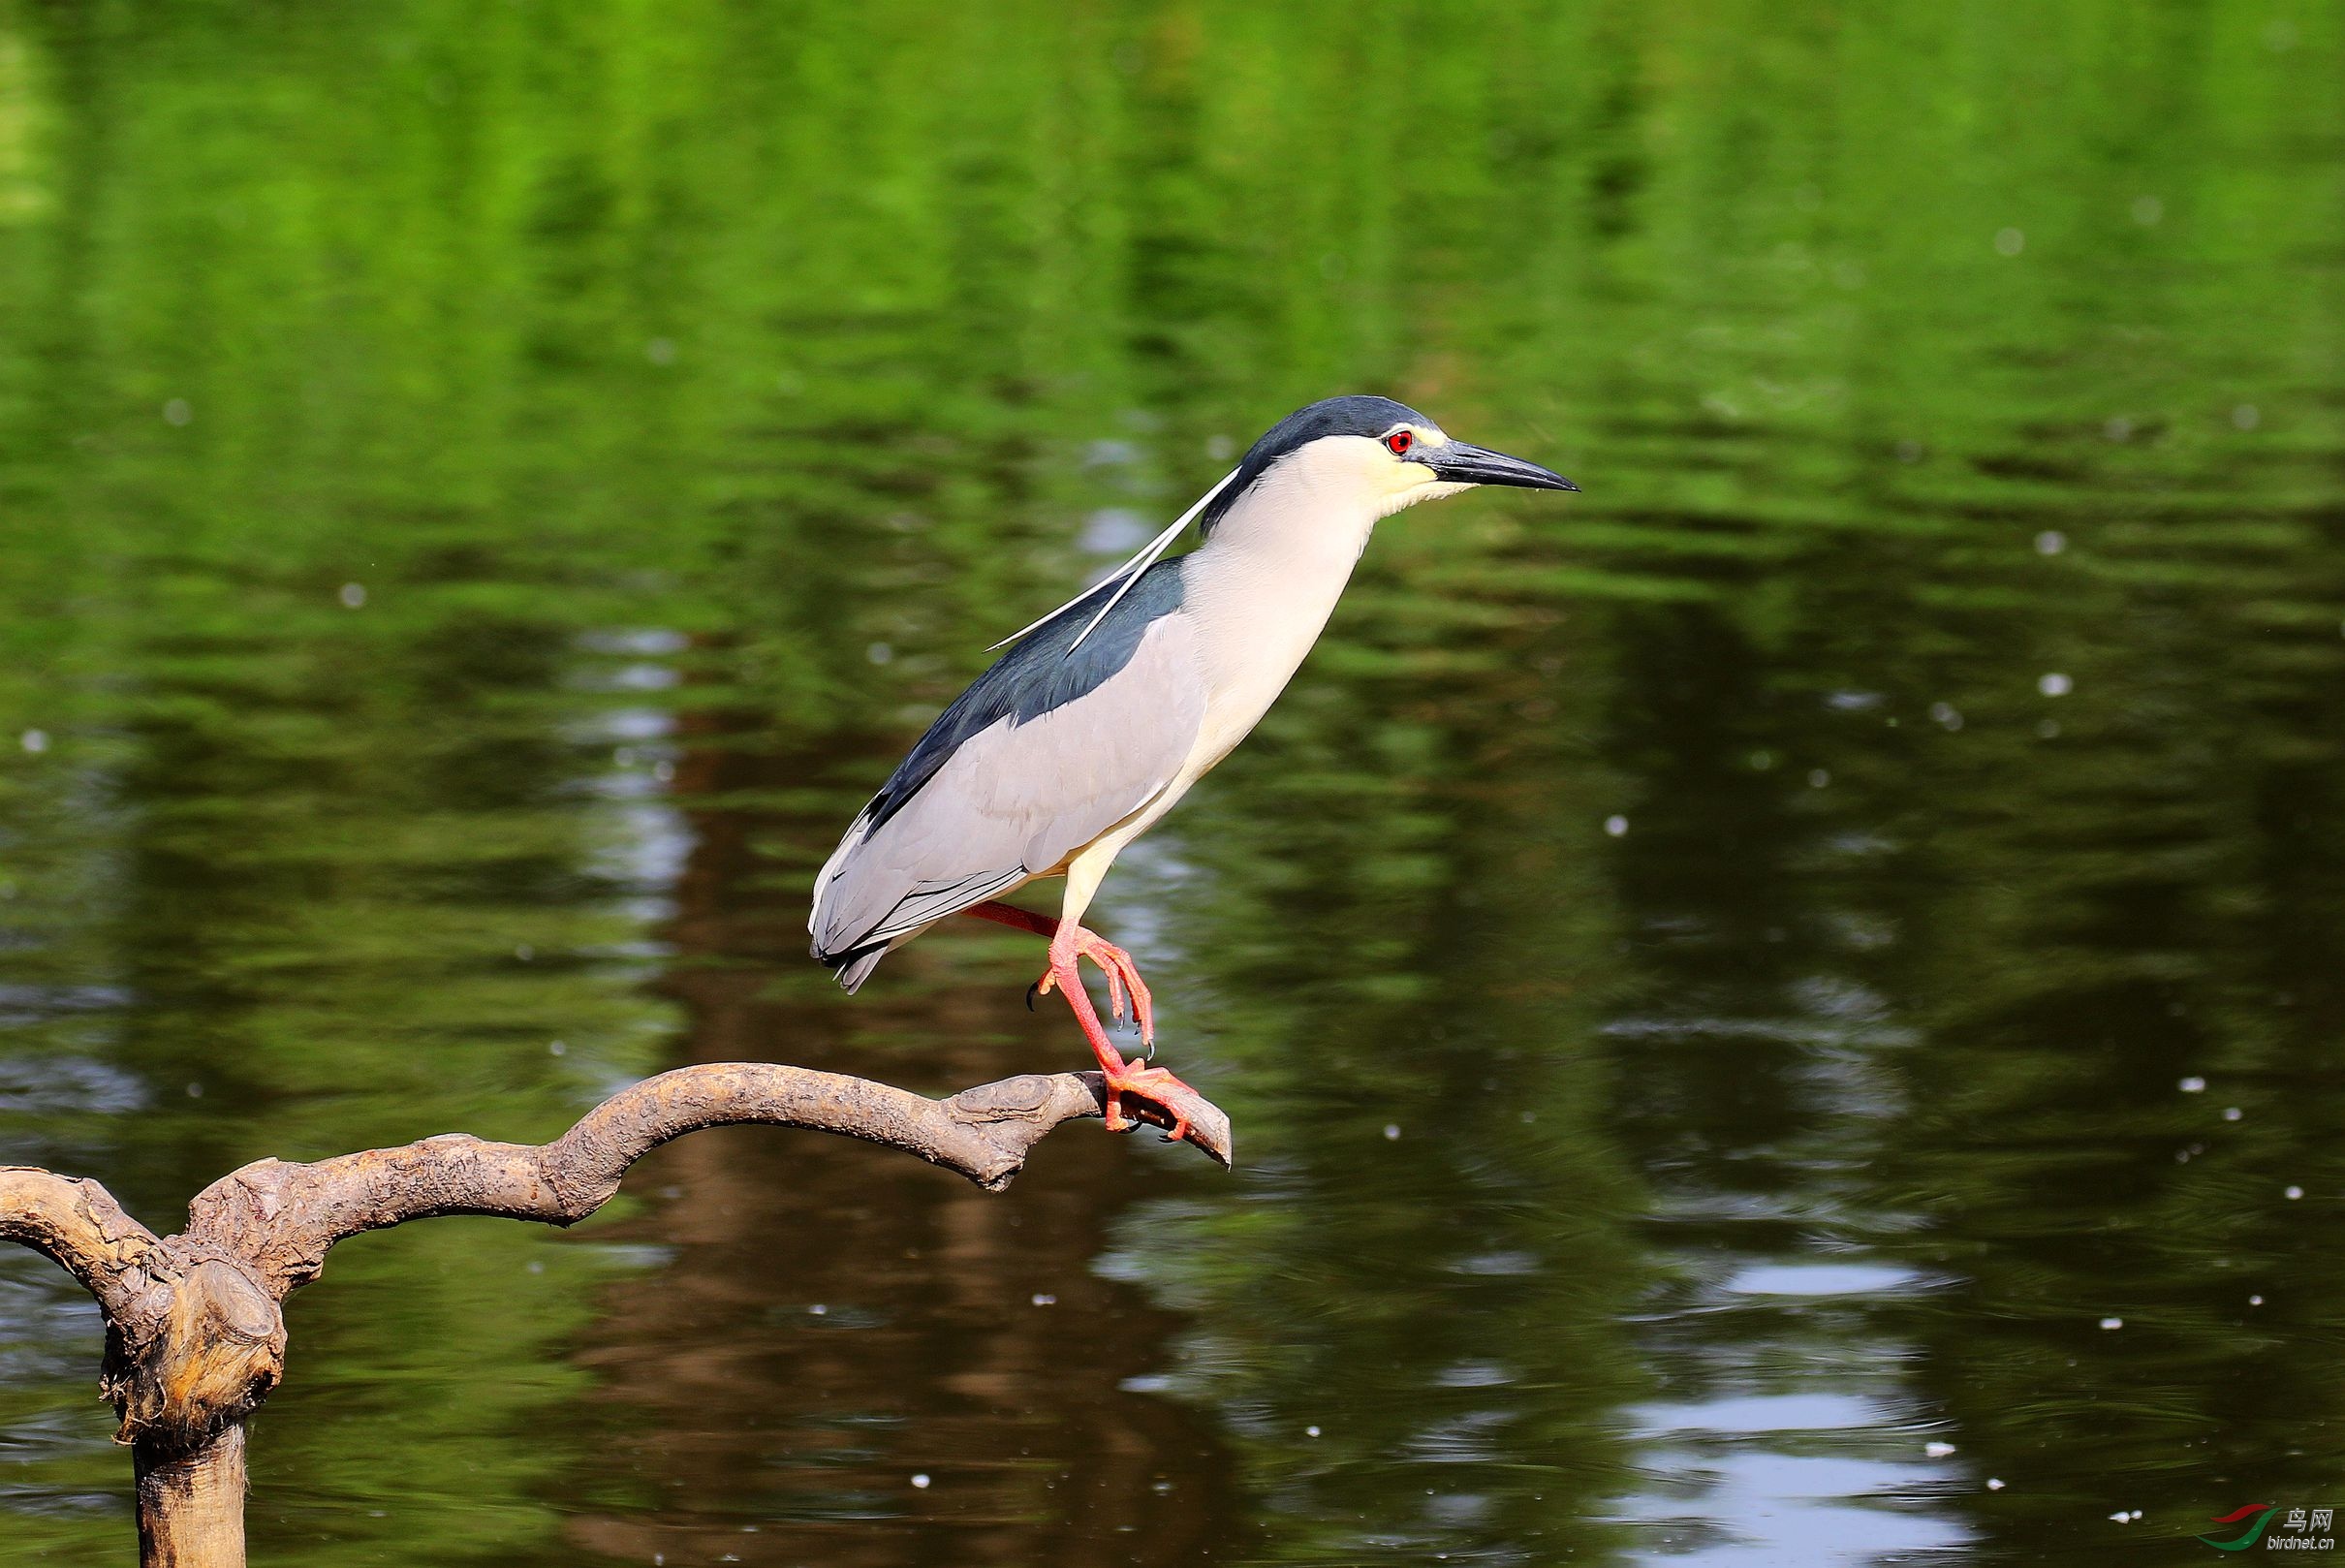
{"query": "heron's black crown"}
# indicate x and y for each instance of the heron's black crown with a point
(1356, 414)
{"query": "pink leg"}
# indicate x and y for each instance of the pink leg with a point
(1071, 943)
(1123, 975)
(1001, 914)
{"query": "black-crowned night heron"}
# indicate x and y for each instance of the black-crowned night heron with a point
(1107, 710)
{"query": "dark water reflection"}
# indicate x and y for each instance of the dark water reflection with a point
(1787, 1011)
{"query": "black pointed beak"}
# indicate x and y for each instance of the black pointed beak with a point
(1463, 464)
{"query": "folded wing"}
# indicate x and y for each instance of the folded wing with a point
(1050, 748)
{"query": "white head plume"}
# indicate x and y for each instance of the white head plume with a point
(1126, 574)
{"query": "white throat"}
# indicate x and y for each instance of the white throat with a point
(1263, 583)
(1323, 500)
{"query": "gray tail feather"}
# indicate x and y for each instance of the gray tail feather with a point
(856, 966)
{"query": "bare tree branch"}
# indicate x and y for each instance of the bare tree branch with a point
(77, 1224)
(298, 1211)
(195, 1327)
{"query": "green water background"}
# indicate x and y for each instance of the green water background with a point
(1829, 945)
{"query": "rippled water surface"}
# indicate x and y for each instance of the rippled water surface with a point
(1788, 1010)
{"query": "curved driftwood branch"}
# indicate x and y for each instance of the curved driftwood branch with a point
(77, 1225)
(303, 1209)
(194, 1326)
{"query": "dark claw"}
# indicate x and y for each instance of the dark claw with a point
(1034, 993)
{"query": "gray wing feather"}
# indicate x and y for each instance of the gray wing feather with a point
(1013, 801)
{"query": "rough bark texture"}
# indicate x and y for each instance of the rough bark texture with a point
(191, 1506)
(195, 1332)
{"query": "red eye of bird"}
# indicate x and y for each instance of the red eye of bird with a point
(1399, 441)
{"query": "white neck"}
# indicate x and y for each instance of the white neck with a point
(1263, 583)
(1314, 505)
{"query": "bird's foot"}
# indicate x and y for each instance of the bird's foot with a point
(1162, 1093)
(1124, 978)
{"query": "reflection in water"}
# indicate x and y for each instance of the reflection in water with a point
(851, 1355)
(1786, 1012)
